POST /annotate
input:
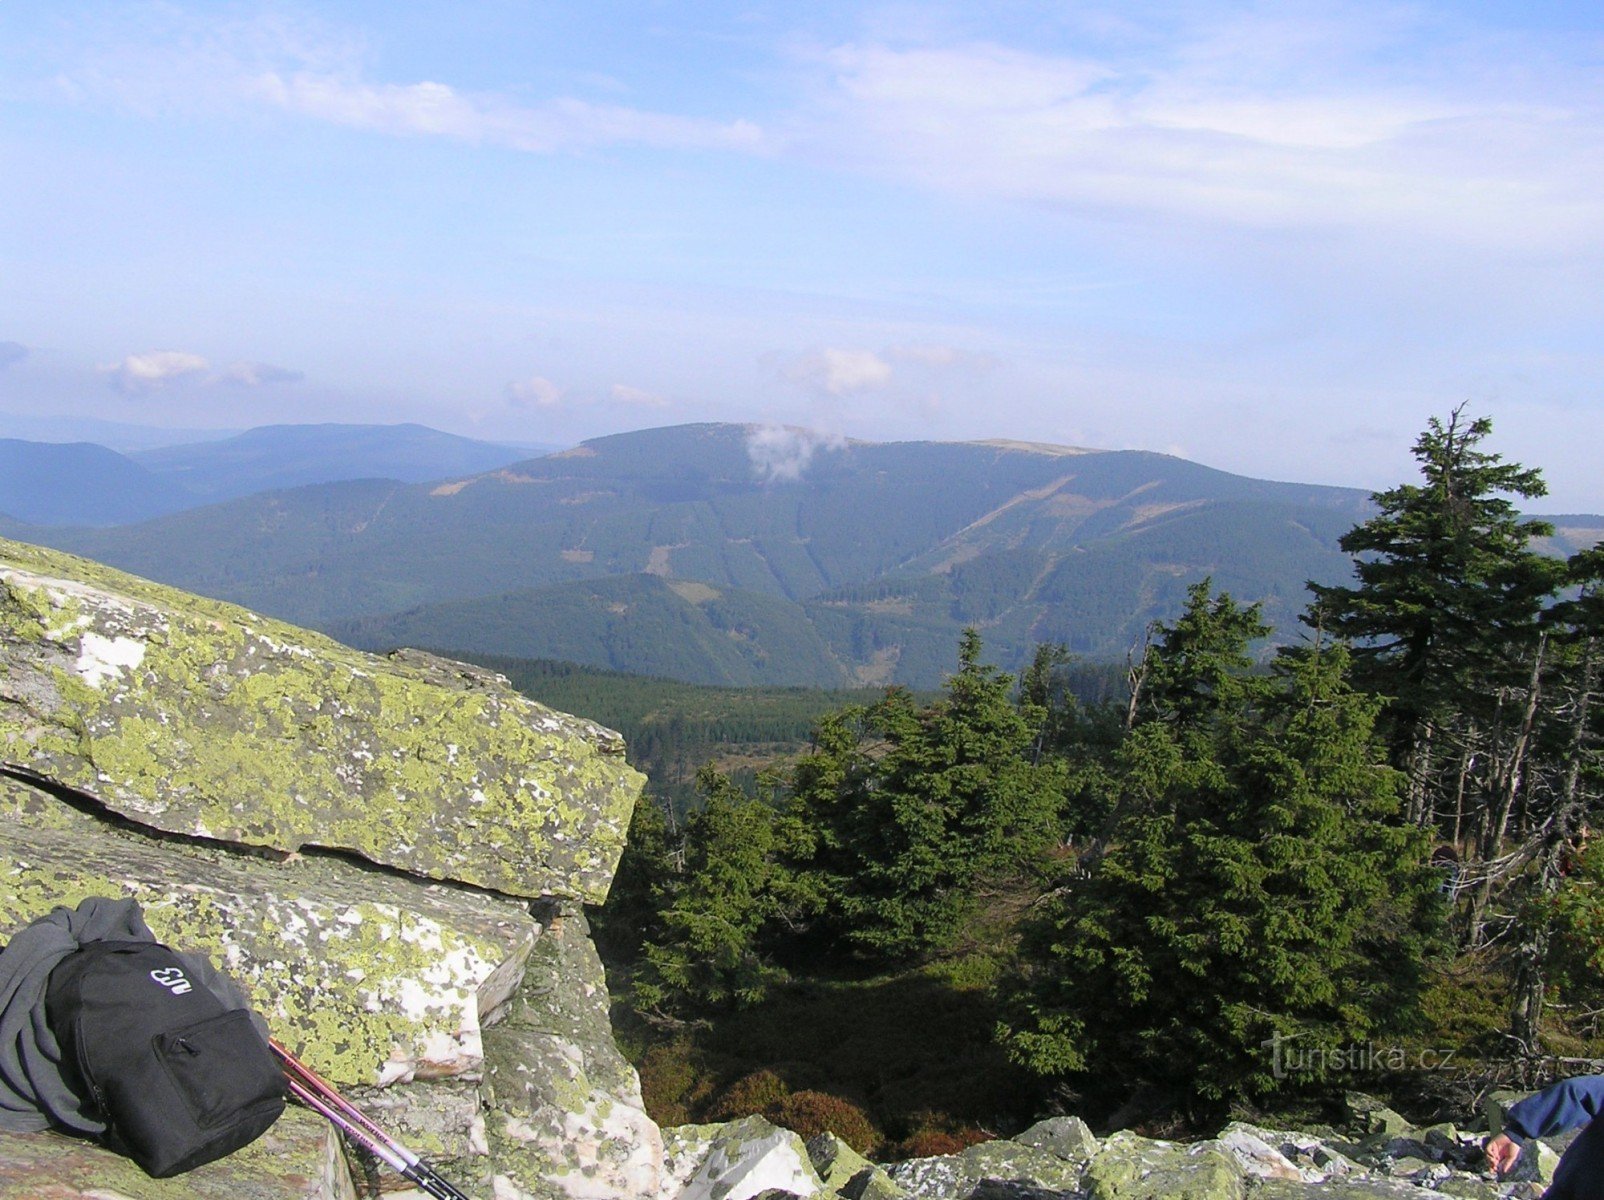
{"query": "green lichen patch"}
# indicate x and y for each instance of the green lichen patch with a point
(565, 1112)
(297, 1159)
(371, 978)
(201, 718)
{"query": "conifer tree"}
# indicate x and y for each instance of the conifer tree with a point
(1445, 613)
(949, 796)
(719, 913)
(1255, 885)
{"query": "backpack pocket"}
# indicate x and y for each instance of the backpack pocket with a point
(193, 1056)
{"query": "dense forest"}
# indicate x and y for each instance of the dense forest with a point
(950, 913)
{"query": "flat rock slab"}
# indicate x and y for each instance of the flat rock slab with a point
(379, 978)
(204, 719)
(736, 1160)
(297, 1159)
(957, 1175)
(1128, 1167)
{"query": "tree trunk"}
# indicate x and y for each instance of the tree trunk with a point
(1531, 973)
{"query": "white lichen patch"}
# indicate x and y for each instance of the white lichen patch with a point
(101, 658)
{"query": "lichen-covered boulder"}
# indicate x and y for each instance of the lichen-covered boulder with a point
(373, 979)
(201, 718)
(1353, 1187)
(1067, 1137)
(1128, 1167)
(298, 1159)
(564, 1112)
(847, 1173)
(957, 1176)
(1314, 1160)
(1366, 1114)
(737, 1160)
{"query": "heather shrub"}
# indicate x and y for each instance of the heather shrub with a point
(812, 1113)
(759, 1092)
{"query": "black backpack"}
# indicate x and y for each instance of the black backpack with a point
(178, 1077)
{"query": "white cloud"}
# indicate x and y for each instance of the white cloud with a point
(153, 370)
(12, 352)
(534, 392)
(1252, 123)
(256, 374)
(839, 372)
(437, 109)
(638, 397)
(169, 63)
(782, 453)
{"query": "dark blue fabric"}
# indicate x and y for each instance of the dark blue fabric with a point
(1564, 1106)
(1580, 1174)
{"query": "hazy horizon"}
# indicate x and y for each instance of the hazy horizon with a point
(1271, 239)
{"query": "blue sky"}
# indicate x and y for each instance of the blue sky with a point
(1273, 238)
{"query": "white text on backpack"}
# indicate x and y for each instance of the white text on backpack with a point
(172, 979)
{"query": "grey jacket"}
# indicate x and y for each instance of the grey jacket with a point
(33, 1094)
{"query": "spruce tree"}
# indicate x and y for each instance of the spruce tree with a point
(1445, 613)
(914, 810)
(1255, 885)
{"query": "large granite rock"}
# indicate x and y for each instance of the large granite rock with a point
(298, 1159)
(360, 842)
(566, 1116)
(200, 718)
(372, 978)
(737, 1160)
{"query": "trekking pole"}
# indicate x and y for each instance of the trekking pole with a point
(307, 1086)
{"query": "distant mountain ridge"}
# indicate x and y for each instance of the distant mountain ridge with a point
(79, 483)
(82, 483)
(274, 457)
(716, 554)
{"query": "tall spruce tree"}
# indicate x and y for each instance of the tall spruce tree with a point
(1445, 617)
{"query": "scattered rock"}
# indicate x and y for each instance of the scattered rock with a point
(1067, 1137)
(1366, 1114)
(958, 1175)
(1134, 1168)
(847, 1173)
(736, 1160)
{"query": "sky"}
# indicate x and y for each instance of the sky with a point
(1274, 238)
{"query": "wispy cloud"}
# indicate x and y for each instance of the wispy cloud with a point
(256, 374)
(535, 392)
(1255, 122)
(838, 371)
(783, 453)
(637, 397)
(171, 62)
(437, 109)
(943, 358)
(12, 352)
(153, 370)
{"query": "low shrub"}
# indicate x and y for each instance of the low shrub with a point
(931, 1143)
(760, 1092)
(812, 1113)
(673, 1083)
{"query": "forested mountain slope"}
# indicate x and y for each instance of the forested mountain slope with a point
(847, 563)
